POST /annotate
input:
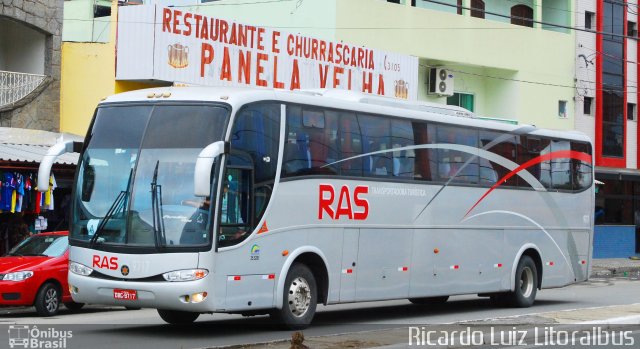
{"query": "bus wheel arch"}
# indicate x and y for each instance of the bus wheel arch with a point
(534, 253)
(315, 260)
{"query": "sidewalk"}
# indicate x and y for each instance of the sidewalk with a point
(609, 267)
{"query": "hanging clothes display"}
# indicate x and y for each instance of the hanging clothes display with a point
(18, 193)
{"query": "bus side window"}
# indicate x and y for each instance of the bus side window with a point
(581, 171)
(529, 148)
(454, 165)
(561, 167)
(402, 138)
(503, 145)
(350, 144)
(376, 142)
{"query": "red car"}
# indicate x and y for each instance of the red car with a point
(34, 273)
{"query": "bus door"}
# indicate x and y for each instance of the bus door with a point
(348, 268)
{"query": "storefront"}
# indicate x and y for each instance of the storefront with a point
(23, 209)
(617, 213)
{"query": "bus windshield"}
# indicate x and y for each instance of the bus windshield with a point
(135, 179)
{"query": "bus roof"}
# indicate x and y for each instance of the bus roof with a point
(339, 99)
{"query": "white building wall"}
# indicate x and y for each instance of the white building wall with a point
(585, 69)
(632, 88)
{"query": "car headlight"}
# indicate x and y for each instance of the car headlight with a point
(185, 275)
(18, 276)
(80, 269)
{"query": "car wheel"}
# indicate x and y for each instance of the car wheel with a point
(73, 306)
(526, 287)
(48, 300)
(176, 317)
(429, 300)
(299, 299)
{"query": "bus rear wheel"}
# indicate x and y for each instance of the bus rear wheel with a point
(176, 317)
(299, 299)
(429, 300)
(524, 293)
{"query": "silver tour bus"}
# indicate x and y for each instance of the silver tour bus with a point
(253, 201)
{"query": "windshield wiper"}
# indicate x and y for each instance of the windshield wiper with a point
(35, 255)
(15, 254)
(118, 204)
(156, 209)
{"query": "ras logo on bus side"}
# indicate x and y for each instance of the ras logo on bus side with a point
(348, 205)
(105, 263)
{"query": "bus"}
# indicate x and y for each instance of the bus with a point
(198, 200)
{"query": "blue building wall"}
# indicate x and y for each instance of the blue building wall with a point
(614, 241)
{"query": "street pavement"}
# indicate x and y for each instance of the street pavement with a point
(350, 325)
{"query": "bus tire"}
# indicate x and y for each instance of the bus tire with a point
(300, 298)
(524, 293)
(176, 317)
(73, 306)
(48, 300)
(429, 300)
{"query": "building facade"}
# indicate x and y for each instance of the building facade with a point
(606, 110)
(30, 41)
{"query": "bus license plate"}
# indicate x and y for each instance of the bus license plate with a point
(127, 295)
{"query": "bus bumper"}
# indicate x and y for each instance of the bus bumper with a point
(194, 296)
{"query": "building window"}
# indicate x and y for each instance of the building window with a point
(477, 8)
(562, 109)
(589, 19)
(631, 112)
(463, 100)
(613, 86)
(632, 29)
(394, 1)
(459, 7)
(588, 106)
(522, 15)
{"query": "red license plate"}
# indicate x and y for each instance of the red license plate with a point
(126, 295)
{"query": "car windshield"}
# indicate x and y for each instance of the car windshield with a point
(135, 180)
(42, 245)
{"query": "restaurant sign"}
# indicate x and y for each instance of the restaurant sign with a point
(171, 44)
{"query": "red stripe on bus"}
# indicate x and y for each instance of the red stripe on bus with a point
(561, 154)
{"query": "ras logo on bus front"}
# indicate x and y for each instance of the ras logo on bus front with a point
(105, 263)
(349, 204)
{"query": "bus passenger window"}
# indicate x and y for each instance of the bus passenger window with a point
(503, 145)
(580, 170)
(350, 144)
(457, 166)
(402, 138)
(376, 143)
(311, 142)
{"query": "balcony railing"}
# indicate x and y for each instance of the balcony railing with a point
(16, 86)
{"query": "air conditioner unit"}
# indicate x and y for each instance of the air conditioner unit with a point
(440, 82)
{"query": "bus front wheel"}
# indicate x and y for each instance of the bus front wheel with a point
(524, 293)
(299, 299)
(176, 317)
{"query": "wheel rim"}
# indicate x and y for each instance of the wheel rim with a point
(299, 297)
(526, 282)
(51, 300)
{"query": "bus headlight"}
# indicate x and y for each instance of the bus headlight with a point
(80, 269)
(185, 275)
(18, 276)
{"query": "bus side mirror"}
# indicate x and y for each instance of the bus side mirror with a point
(44, 171)
(202, 174)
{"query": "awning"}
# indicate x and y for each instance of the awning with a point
(32, 154)
(18, 145)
